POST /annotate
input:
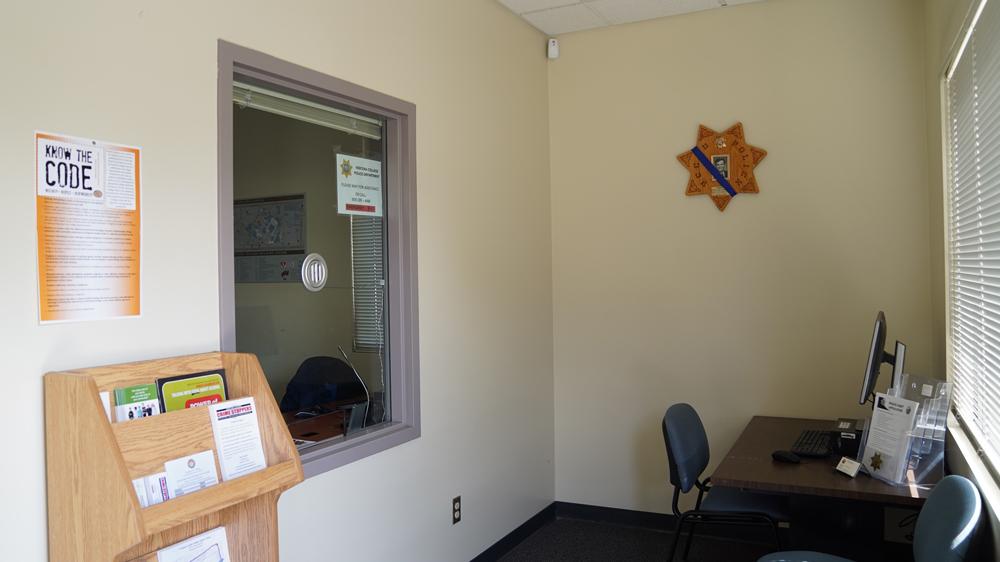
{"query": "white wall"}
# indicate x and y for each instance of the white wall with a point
(144, 73)
(766, 308)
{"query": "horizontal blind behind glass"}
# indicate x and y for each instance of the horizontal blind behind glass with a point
(369, 282)
(255, 97)
(974, 225)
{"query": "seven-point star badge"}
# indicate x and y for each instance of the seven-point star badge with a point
(721, 165)
(876, 461)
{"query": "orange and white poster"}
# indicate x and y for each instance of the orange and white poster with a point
(88, 227)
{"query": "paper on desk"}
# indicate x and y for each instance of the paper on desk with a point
(885, 451)
(302, 443)
(237, 437)
(210, 546)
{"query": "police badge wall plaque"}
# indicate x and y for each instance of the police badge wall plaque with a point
(721, 165)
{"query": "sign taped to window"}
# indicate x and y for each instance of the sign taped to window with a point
(359, 186)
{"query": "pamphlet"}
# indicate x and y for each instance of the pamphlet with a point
(134, 402)
(189, 391)
(885, 451)
(157, 490)
(192, 473)
(152, 489)
(140, 491)
(106, 402)
(237, 437)
(210, 546)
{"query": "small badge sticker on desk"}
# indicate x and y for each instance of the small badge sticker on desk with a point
(848, 466)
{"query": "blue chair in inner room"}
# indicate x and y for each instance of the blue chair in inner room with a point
(945, 526)
(687, 455)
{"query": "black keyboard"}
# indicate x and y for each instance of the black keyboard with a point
(813, 443)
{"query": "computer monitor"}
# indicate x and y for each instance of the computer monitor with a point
(876, 356)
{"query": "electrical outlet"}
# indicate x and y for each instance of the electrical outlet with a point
(456, 509)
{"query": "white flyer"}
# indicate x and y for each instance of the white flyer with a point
(359, 186)
(106, 402)
(191, 473)
(885, 451)
(157, 490)
(140, 491)
(210, 546)
(237, 437)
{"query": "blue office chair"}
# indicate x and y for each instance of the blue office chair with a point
(324, 380)
(944, 529)
(687, 455)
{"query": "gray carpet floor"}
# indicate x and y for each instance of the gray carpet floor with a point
(586, 541)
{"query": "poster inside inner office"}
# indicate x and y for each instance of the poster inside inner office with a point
(269, 239)
(87, 207)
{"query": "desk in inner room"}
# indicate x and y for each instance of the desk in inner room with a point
(749, 466)
(331, 422)
(317, 428)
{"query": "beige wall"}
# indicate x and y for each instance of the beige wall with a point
(943, 22)
(768, 307)
(144, 73)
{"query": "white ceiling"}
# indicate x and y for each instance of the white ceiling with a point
(554, 17)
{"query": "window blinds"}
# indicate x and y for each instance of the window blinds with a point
(369, 282)
(973, 162)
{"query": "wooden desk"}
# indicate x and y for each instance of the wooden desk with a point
(317, 428)
(323, 426)
(749, 465)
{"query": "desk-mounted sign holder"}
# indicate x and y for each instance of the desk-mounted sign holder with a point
(721, 165)
(848, 466)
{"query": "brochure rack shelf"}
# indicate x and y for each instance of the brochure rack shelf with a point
(94, 514)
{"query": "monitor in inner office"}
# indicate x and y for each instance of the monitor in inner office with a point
(876, 356)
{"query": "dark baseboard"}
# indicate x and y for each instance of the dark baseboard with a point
(615, 516)
(664, 522)
(517, 536)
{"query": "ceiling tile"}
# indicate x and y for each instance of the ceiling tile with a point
(563, 16)
(522, 6)
(565, 19)
(627, 11)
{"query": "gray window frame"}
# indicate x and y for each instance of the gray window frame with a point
(402, 338)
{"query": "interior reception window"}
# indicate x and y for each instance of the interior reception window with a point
(321, 234)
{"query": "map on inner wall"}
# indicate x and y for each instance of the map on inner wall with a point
(269, 239)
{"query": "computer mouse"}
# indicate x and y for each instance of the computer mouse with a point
(786, 456)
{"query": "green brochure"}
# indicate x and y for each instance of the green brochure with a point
(190, 391)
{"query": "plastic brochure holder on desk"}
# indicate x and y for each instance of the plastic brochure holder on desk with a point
(924, 449)
(925, 465)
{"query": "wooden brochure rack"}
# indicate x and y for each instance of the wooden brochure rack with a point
(94, 514)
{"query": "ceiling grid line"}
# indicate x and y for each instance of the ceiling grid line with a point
(555, 17)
